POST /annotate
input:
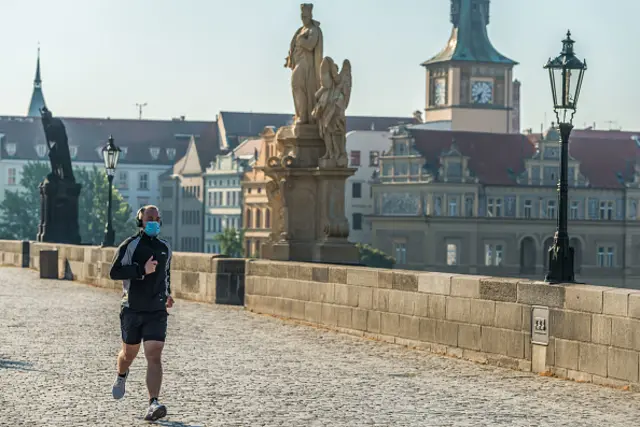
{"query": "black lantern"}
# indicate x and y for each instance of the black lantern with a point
(566, 72)
(110, 154)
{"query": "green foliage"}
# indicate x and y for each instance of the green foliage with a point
(20, 210)
(230, 242)
(93, 207)
(372, 257)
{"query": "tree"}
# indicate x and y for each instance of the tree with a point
(20, 210)
(230, 242)
(372, 257)
(93, 201)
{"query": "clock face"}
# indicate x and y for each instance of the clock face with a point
(482, 92)
(440, 92)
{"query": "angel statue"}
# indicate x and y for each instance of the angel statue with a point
(330, 110)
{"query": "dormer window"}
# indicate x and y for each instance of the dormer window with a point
(123, 152)
(155, 152)
(171, 153)
(41, 150)
(11, 148)
(73, 151)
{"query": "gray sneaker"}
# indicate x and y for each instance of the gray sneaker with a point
(155, 411)
(118, 386)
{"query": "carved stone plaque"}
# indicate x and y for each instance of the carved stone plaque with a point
(540, 325)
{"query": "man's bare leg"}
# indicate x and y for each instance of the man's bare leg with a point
(153, 354)
(126, 356)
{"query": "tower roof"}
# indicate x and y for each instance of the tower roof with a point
(37, 97)
(469, 40)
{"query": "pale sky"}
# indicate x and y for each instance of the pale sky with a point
(197, 57)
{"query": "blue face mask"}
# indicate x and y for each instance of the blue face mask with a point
(152, 228)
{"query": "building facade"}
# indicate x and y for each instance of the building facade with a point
(364, 148)
(486, 204)
(224, 191)
(469, 83)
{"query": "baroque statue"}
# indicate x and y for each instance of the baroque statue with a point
(305, 55)
(58, 144)
(330, 111)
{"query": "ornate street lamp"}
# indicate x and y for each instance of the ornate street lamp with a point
(565, 72)
(110, 154)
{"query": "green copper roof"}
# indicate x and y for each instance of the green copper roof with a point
(469, 40)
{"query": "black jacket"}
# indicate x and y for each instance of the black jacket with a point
(143, 292)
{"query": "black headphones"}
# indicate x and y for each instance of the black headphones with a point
(139, 217)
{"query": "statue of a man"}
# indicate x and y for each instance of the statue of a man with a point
(305, 56)
(58, 143)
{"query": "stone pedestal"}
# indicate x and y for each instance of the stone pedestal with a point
(306, 196)
(59, 212)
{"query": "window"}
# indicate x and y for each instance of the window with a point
(247, 223)
(143, 181)
(258, 218)
(574, 209)
(452, 254)
(528, 208)
(355, 158)
(356, 223)
(606, 210)
(374, 158)
(234, 196)
(167, 217)
(123, 180)
(493, 254)
(228, 198)
(400, 252)
(267, 218)
(453, 207)
(437, 209)
(605, 256)
(494, 207)
(356, 190)
(468, 206)
(551, 208)
(11, 176)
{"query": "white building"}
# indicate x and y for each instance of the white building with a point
(364, 148)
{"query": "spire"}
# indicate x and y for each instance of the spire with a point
(469, 39)
(37, 97)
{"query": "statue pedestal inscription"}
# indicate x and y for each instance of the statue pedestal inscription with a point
(307, 201)
(59, 212)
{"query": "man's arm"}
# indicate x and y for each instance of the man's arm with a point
(122, 266)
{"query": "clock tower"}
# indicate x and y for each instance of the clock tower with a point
(469, 83)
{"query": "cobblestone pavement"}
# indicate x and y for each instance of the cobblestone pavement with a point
(227, 367)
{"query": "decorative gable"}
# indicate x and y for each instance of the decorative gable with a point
(123, 152)
(73, 151)
(171, 153)
(454, 167)
(155, 152)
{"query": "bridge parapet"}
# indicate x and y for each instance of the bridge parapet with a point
(581, 332)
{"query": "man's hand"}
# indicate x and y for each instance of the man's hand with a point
(150, 265)
(169, 301)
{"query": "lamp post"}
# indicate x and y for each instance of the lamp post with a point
(565, 72)
(110, 154)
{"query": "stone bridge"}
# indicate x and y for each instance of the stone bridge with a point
(317, 345)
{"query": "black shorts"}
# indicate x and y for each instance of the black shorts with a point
(139, 326)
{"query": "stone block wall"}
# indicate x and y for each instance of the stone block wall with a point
(593, 332)
(198, 277)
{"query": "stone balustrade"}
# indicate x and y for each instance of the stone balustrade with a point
(581, 332)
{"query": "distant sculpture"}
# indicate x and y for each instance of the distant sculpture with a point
(58, 144)
(330, 111)
(305, 55)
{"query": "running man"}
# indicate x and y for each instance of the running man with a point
(143, 263)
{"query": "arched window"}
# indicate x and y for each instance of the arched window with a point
(267, 218)
(258, 219)
(247, 220)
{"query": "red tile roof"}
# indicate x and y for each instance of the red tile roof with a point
(607, 159)
(496, 159)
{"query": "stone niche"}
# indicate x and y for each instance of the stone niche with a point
(306, 195)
